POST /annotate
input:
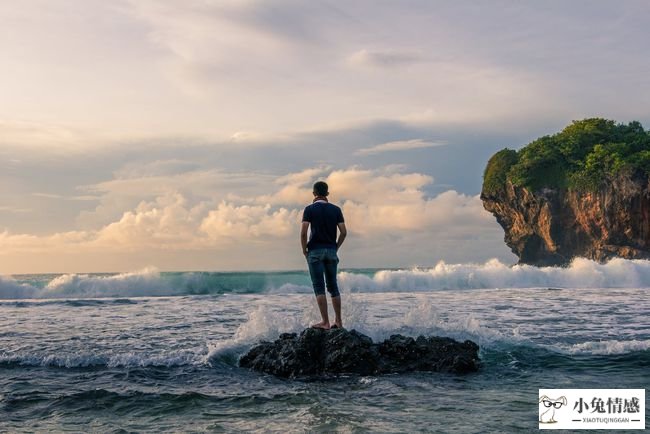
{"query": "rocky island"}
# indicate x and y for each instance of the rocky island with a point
(583, 192)
(338, 351)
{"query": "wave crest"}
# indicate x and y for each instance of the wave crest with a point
(106, 360)
(582, 273)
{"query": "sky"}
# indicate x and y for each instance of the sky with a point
(186, 135)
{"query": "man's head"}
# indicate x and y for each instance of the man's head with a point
(321, 189)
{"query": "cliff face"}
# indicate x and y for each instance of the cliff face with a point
(552, 226)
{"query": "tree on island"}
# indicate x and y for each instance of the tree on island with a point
(581, 157)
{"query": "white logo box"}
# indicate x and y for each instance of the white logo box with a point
(591, 409)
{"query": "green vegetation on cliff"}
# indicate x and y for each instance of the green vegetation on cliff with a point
(582, 156)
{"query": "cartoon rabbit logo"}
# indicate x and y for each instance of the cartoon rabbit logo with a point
(547, 407)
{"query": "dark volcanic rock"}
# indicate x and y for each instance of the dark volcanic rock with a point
(316, 352)
(552, 226)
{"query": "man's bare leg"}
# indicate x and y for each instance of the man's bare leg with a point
(336, 303)
(322, 306)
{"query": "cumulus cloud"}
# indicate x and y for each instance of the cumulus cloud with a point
(399, 145)
(167, 222)
(383, 207)
(249, 223)
(385, 184)
(378, 202)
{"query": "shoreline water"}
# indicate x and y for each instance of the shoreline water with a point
(139, 361)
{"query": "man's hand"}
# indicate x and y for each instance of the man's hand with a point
(303, 237)
(343, 233)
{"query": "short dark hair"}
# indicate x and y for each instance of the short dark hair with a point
(321, 188)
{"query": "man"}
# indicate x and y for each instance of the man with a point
(324, 219)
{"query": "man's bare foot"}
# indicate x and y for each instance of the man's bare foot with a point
(338, 324)
(321, 325)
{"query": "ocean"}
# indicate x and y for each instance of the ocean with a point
(152, 351)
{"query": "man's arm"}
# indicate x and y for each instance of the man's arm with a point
(343, 233)
(303, 237)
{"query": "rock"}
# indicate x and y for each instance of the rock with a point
(553, 226)
(582, 192)
(318, 352)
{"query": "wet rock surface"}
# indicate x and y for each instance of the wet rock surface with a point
(319, 352)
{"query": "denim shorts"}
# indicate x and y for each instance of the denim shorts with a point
(322, 269)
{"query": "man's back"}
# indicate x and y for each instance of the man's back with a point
(324, 218)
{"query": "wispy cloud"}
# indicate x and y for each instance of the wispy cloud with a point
(13, 209)
(62, 197)
(399, 145)
(388, 58)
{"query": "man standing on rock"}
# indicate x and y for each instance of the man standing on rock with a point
(324, 218)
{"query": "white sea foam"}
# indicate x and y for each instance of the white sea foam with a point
(140, 283)
(145, 282)
(110, 360)
(290, 288)
(267, 322)
(582, 273)
(10, 289)
(608, 347)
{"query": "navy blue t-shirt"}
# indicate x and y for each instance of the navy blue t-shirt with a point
(324, 218)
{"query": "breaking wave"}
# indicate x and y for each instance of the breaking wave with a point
(608, 347)
(582, 273)
(150, 282)
(104, 360)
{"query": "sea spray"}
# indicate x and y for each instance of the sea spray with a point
(269, 319)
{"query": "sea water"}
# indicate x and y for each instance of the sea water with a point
(152, 352)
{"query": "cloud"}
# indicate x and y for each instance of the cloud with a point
(45, 136)
(53, 244)
(390, 58)
(379, 203)
(248, 223)
(198, 53)
(168, 222)
(175, 112)
(95, 65)
(399, 145)
(61, 197)
(13, 209)
(121, 176)
(383, 206)
(301, 52)
(385, 184)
